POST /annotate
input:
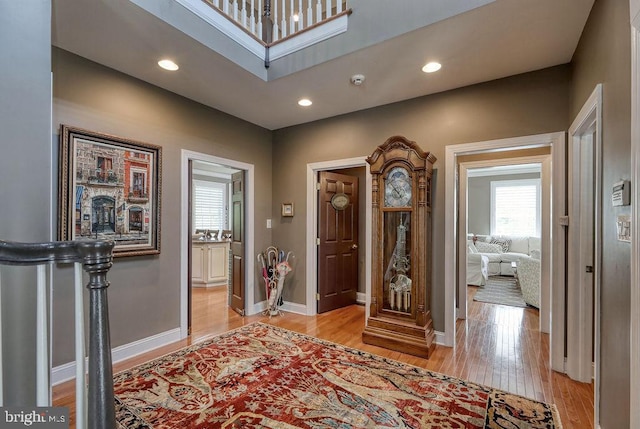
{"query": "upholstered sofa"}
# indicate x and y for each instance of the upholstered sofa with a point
(497, 252)
(529, 279)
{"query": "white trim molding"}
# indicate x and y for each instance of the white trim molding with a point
(185, 235)
(312, 227)
(557, 143)
(67, 371)
(309, 37)
(583, 331)
(634, 418)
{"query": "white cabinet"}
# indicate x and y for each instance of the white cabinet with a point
(210, 263)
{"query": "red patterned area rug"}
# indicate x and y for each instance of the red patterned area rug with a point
(260, 376)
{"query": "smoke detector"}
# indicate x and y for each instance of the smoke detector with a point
(357, 79)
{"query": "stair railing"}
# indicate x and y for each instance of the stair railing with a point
(97, 409)
(286, 17)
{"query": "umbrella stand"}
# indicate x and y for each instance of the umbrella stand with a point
(275, 266)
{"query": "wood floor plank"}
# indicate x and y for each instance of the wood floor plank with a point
(496, 345)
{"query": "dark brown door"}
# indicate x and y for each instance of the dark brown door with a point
(338, 249)
(237, 242)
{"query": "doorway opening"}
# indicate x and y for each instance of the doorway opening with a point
(211, 217)
(551, 250)
(239, 267)
(313, 177)
(488, 211)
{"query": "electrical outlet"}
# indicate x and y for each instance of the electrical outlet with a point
(268, 223)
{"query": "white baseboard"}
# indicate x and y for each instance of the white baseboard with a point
(439, 337)
(290, 307)
(257, 308)
(67, 371)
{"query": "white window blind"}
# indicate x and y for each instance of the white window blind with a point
(515, 207)
(209, 205)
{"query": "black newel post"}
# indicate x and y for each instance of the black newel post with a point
(101, 403)
(267, 30)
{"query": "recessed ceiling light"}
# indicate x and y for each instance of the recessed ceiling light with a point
(305, 102)
(431, 67)
(168, 65)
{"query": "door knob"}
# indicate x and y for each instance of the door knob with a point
(354, 246)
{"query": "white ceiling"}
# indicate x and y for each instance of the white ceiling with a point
(499, 39)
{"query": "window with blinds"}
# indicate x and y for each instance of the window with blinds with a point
(209, 205)
(515, 207)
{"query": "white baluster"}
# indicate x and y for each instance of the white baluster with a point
(319, 11)
(283, 26)
(329, 9)
(225, 6)
(1, 382)
(260, 12)
(276, 27)
(338, 6)
(81, 385)
(217, 4)
(292, 23)
(42, 346)
(244, 15)
(235, 10)
(253, 17)
(300, 16)
(309, 13)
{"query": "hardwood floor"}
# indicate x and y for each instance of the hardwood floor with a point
(497, 346)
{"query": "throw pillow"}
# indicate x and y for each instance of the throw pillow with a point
(471, 247)
(502, 242)
(484, 247)
(535, 254)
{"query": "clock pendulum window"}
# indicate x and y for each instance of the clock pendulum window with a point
(400, 316)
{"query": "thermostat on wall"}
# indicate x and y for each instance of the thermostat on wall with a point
(621, 193)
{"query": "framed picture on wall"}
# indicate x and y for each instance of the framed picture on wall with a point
(287, 209)
(109, 189)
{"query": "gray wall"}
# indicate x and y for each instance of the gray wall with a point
(521, 105)
(25, 115)
(144, 296)
(604, 55)
(479, 200)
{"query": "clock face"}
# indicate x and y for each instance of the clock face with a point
(397, 188)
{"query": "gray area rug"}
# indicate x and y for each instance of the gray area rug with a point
(501, 290)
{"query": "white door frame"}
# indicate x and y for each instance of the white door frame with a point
(312, 227)
(635, 217)
(579, 301)
(186, 156)
(557, 143)
(545, 224)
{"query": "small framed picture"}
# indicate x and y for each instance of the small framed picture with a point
(287, 209)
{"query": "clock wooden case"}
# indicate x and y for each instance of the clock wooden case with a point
(400, 316)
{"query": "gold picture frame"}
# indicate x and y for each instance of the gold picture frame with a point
(109, 189)
(287, 209)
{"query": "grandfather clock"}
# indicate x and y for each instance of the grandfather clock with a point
(400, 316)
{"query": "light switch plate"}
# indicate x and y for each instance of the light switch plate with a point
(268, 223)
(623, 228)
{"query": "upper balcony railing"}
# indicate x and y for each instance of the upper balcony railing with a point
(283, 17)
